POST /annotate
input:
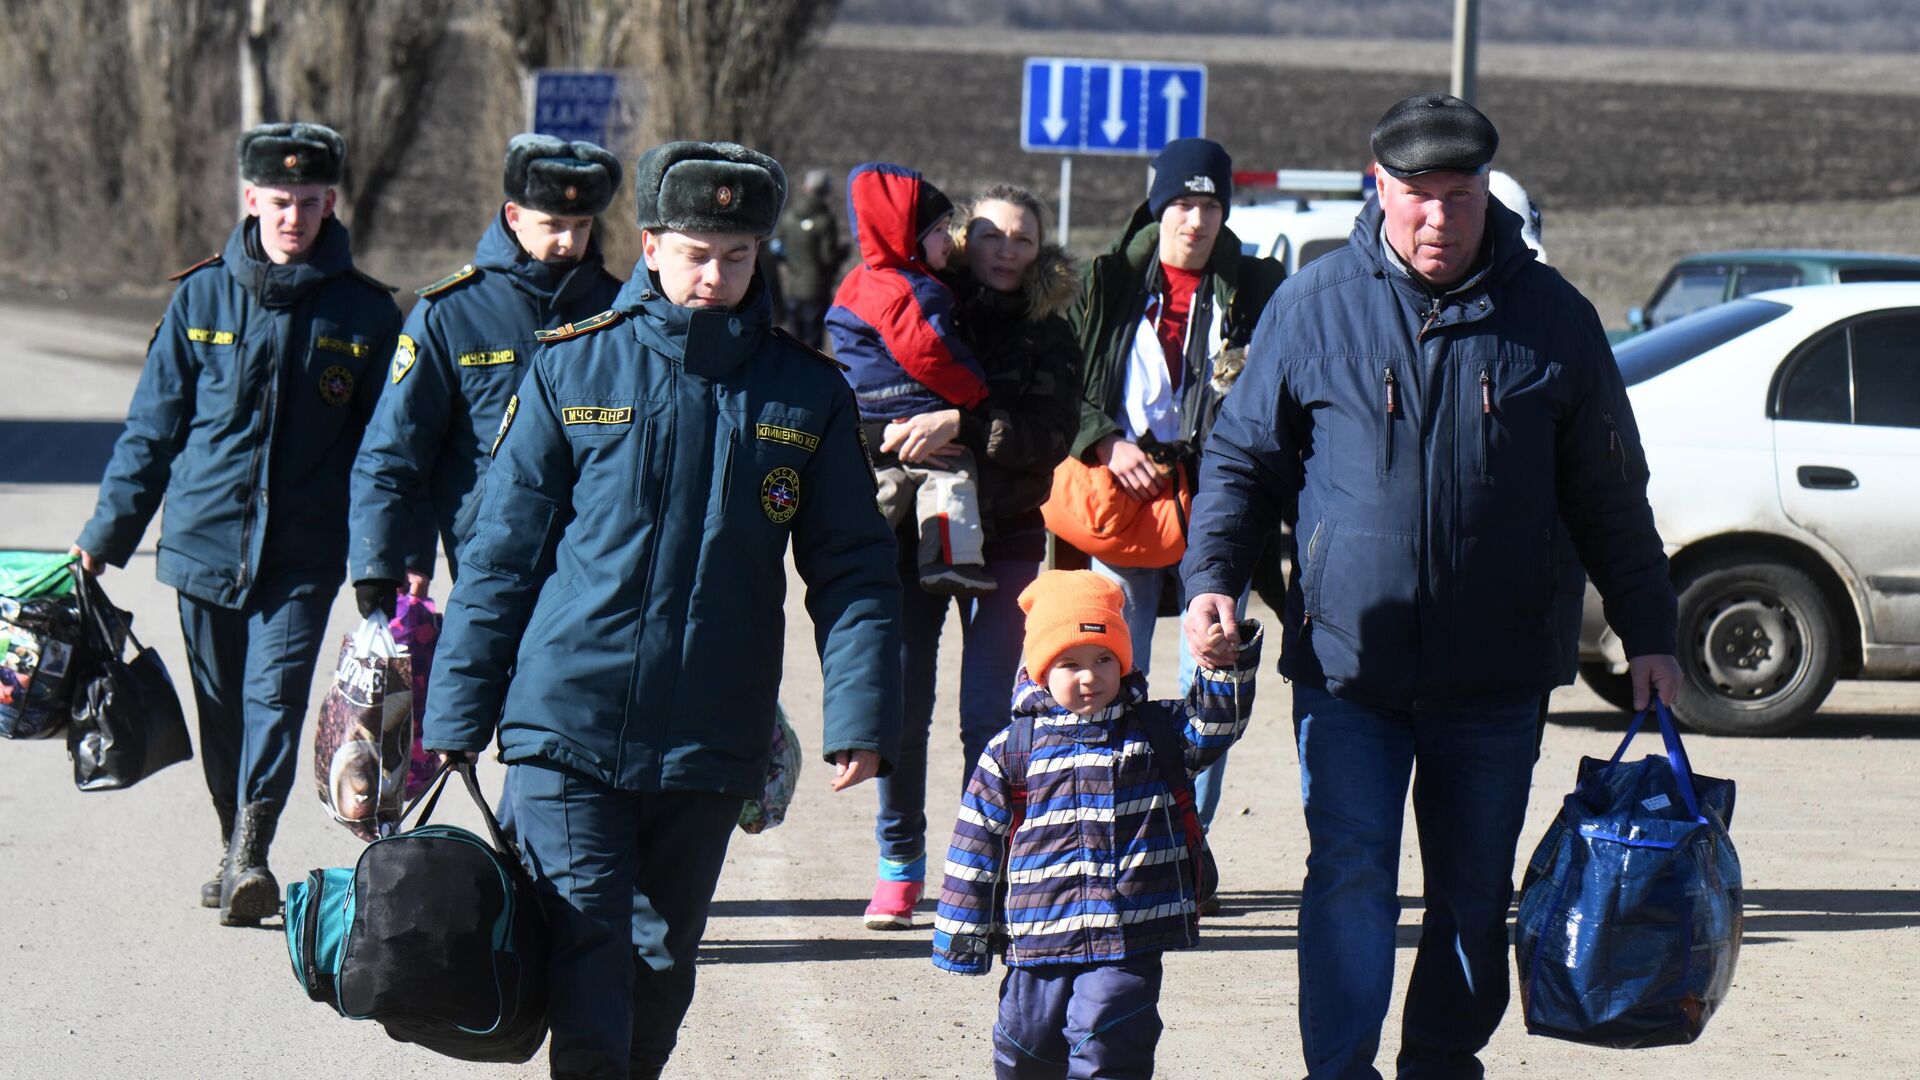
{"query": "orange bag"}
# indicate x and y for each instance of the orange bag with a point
(1090, 510)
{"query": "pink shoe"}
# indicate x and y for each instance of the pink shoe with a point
(892, 905)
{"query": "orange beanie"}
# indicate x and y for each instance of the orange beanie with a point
(1073, 607)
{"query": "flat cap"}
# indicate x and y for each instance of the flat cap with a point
(718, 187)
(558, 177)
(281, 154)
(1434, 133)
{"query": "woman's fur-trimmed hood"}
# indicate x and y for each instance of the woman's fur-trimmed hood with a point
(1052, 283)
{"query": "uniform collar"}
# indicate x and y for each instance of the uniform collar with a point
(711, 344)
(499, 252)
(277, 285)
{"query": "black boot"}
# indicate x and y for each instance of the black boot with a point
(210, 892)
(248, 892)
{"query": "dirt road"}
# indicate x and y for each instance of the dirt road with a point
(108, 968)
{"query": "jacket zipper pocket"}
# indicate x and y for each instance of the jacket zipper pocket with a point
(1486, 421)
(1311, 561)
(264, 408)
(726, 475)
(1392, 388)
(1616, 453)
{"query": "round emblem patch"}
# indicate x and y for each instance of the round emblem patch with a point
(290, 161)
(572, 193)
(336, 385)
(780, 495)
(723, 195)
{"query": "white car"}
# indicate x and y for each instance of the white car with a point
(1783, 435)
(1294, 229)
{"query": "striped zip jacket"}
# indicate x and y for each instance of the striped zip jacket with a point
(1097, 871)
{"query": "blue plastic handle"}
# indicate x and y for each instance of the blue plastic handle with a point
(1676, 753)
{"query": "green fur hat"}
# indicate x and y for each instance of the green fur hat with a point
(718, 187)
(279, 155)
(558, 177)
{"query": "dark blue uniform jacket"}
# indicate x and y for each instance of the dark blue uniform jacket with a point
(627, 564)
(1434, 441)
(258, 384)
(461, 356)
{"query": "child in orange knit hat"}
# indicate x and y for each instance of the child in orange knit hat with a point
(1077, 854)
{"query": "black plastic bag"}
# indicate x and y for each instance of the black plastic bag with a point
(126, 718)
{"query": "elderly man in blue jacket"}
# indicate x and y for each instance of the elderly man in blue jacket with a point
(461, 355)
(259, 381)
(620, 604)
(1439, 400)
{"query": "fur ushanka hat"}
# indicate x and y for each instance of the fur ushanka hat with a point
(719, 187)
(554, 176)
(279, 155)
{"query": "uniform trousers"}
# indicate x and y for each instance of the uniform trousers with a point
(252, 670)
(626, 879)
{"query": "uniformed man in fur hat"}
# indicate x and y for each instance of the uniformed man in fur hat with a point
(463, 352)
(259, 381)
(620, 605)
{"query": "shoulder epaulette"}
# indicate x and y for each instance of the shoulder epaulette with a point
(787, 337)
(208, 261)
(465, 273)
(373, 281)
(575, 329)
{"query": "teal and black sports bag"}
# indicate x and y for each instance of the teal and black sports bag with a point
(436, 933)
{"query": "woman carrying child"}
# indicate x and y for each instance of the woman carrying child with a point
(1010, 289)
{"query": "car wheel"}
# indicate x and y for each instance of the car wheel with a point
(1614, 689)
(1758, 648)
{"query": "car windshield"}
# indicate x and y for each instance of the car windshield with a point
(1667, 347)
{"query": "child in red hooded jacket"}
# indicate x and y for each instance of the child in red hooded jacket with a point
(892, 325)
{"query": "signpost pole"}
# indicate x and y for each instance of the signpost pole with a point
(1466, 43)
(1066, 196)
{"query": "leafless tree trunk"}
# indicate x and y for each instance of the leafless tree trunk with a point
(719, 69)
(114, 130)
(362, 67)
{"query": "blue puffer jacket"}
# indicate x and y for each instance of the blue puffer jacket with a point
(258, 384)
(1433, 441)
(621, 596)
(463, 352)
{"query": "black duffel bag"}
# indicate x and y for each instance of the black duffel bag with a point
(126, 718)
(445, 943)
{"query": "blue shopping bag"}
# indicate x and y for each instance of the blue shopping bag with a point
(1629, 922)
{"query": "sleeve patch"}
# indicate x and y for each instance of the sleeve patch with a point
(404, 354)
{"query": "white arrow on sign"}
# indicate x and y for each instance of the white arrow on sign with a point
(1113, 126)
(1175, 92)
(1055, 122)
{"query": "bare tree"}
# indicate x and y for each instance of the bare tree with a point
(363, 67)
(713, 69)
(720, 68)
(115, 134)
(571, 33)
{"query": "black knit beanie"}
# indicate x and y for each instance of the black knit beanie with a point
(933, 206)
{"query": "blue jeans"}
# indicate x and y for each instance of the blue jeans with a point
(1471, 769)
(1143, 605)
(992, 630)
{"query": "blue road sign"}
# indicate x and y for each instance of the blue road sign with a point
(1110, 106)
(576, 105)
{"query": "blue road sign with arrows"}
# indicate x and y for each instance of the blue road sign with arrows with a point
(1110, 106)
